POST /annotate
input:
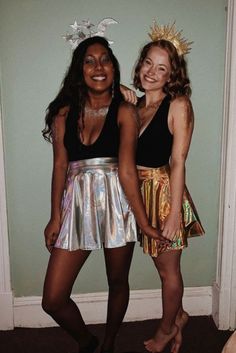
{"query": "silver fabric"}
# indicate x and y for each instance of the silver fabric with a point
(95, 211)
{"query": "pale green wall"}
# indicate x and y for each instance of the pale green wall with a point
(34, 58)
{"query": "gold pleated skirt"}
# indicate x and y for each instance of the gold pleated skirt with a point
(155, 188)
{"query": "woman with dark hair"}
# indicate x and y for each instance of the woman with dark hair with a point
(166, 116)
(94, 136)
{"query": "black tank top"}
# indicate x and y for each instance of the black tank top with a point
(107, 143)
(155, 143)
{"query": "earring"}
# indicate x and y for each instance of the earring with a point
(113, 89)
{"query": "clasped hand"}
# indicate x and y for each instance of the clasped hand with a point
(155, 234)
(171, 226)
(51, 233)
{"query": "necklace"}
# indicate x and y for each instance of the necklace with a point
(156, 104)
(95, 113)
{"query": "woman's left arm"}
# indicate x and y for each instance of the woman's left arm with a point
(129, 128)
(180, 121)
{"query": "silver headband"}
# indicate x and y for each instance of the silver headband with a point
(86, 30)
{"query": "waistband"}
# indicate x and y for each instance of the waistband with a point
(94, 162)
(153, 172)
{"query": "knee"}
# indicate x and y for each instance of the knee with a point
(118, 283)
(51, 304)
(170, 277)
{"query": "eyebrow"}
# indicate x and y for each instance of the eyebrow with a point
(147, 57)
(104, 53)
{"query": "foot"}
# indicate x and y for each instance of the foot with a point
(181, 321)
(107, 348)
(91, 346)
(160, 340)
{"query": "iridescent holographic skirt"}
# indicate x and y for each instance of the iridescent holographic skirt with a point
(95, 211)
(155, 188)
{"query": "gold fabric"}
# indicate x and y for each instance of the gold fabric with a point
(155, 188)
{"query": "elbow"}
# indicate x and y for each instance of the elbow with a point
(125, 175)
(178, 164)
(61, 166)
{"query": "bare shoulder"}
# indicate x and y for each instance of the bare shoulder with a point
(60, 118)
(127, 107)
(127, 111)
(181, 108)
(63, 112)
(58, 126)
(182, 103)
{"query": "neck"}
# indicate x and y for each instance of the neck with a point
(153, 98)
(97, 101)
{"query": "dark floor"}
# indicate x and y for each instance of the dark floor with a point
(200, 336)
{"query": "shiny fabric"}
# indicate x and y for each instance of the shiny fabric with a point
(155, 187)
(95, 212)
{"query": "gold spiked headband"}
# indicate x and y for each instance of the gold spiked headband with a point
(169, 33)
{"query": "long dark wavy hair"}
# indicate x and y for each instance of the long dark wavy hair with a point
(73, 89)
(179, 83)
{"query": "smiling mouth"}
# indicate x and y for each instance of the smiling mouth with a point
(99, 78)
(149, 79)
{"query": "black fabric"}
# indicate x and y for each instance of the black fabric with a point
(106, 145)
(155, 143)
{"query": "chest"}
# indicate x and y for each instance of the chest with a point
(90, 128)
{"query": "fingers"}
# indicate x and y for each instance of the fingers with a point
(158, 236)
(130, 96)
(162, 243)
(161, 237)
(50, 241)
(49, 245)
(169, 232)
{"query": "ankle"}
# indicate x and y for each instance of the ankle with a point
(107, 348)
(90, 346)
(167, 329)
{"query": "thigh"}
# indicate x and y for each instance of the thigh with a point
(118, 261)
(63, 268)
(168, 261)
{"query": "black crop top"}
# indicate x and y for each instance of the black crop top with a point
(155, 143)
(107, 143)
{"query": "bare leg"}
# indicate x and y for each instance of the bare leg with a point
(62, 271)
(168, 266)
(181, 321)
(118, 262)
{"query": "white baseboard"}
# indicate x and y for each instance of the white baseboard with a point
(143, 305)
(216, 303)
(6, 308)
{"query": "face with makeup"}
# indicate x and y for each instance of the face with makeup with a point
(155, 69)
(98, 69)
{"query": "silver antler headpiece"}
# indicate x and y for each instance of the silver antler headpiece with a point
(86, 30)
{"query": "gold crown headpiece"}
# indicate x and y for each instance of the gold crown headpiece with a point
(169, 33)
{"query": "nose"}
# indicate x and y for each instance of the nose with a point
(151, 71)
(98, 65)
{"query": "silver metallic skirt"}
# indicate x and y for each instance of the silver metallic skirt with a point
(95, 211)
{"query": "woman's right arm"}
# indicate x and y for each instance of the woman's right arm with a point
(60, 165)
(127, 119)
(128, 94)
